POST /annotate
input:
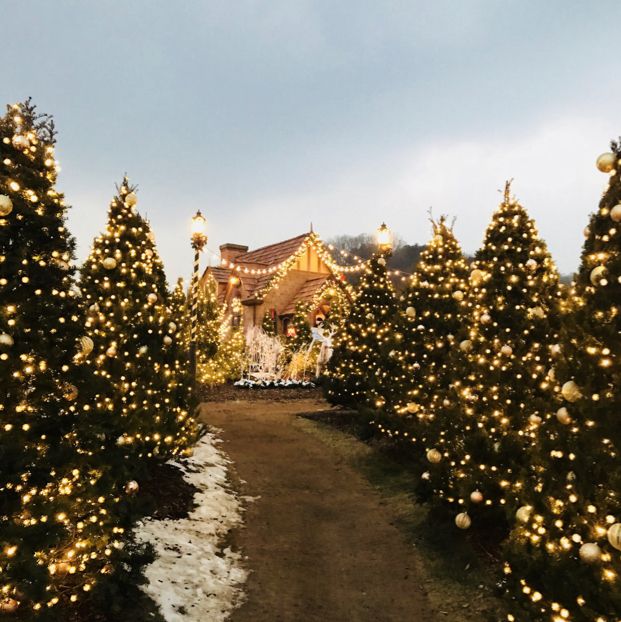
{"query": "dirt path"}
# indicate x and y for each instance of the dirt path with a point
(319, 542)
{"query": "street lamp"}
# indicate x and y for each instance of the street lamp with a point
(199, 239)
(384, 238)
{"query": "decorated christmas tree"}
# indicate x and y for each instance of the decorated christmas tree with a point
(268, 325)
(501, 388)
(360, 370)
(432, 317)
(134, 333)
(299, 330)
(178, 302)
(564, 558)
(55, 494)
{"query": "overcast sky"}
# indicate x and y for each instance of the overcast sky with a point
(268, 115)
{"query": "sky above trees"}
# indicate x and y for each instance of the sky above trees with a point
(268, 116)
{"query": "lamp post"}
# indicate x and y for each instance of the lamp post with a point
(199, 239)
(384, 239)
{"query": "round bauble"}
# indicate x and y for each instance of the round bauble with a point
(172, 327)
(381, 261)
(562, 414)
(614, 536)
(111, 351)
(148, 253)
(152, 298)
(167, 340)
(87, 345)
(597, 274)
(590, 553)
(143, 350)
(6, 340)
(486, 318)
(109, 263)
(465, 345)
(94, 308)
(531, 264)
(463, 521)
(412, 408)
(506, 350)
(8, 605)
(523, 513)
(131, 199)
(6, 205)
(571, 391)
(132, 487)
(458, 295)
(410, 312)
(534, 419)
(434, 456)
(606, 162)
(70, 392)
(476, 496)
(476, 277)
(615, 213)
(586, 232)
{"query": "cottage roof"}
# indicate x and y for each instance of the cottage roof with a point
(306, 293)
(272, 254)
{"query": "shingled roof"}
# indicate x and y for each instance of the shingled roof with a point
(272, 254)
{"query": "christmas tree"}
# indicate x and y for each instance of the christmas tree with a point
(178, 302)
(299, 330)
(134, 340)
(268, 325)
(433, 307)
(563, 554)
(55, 519)
(500, 392)
(361, 366)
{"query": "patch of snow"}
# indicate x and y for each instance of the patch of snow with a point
(193, 578)
(273, 384)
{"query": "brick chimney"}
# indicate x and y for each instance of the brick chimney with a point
(229, 252)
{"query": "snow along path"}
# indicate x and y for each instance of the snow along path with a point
(193, 579)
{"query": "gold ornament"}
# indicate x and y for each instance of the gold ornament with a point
(132, 487)
(465, 345)
(476, 277)
(463, 521)
(109, 263)
(476, 496)
(6, 205)
(458, 295)
(6, 340)
(167, 340)
(87, 345)
(571, 391)
(531, 264)
(410, 312)
(381, 261)
(606, 162)
(597, 274)
(614, 536)
(172, 327)
(615, 213)
(486, 318)
(590, 553)
(506, 350)
(21, 142)
(412, 408)
(534, 419)
(152, 298)
(8, 605)
(562, 414)
(523, 513)
(434, 456)
(131, 199)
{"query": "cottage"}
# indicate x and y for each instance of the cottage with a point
(271, 280)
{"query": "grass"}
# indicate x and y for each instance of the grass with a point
(458, 574)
